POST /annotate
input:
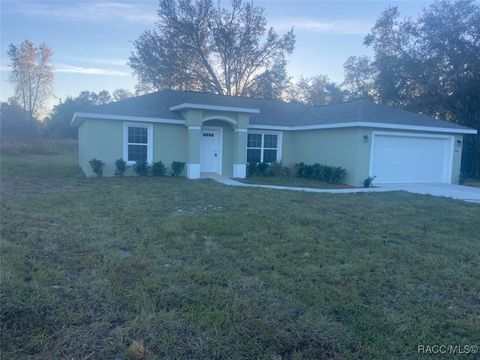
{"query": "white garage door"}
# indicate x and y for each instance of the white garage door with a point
(399, 158)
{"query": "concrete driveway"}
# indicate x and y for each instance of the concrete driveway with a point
(465, 193)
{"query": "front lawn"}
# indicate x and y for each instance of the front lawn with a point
(293, 182)
(198, 270)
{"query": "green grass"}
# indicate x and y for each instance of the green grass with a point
(198, 270)
(293, 182)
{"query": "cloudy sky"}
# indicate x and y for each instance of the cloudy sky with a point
(92, 40)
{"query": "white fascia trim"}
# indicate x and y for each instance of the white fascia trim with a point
(186, 106)
(270, 127)
(368, 125)
(77, 121)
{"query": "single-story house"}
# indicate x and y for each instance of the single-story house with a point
(221, 134)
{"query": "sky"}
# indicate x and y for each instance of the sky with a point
(92, 40)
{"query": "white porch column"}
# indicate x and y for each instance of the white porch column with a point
(240, 153)
(193, 152)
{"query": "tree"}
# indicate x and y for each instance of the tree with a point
(59, 121)
(14, 122)
(432, 65)
(359, 80)
(197, 46)
(31, 75)
(121, 94)
(316, 91)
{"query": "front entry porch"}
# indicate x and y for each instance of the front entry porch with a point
(216, 143)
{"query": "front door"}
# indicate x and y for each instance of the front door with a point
(210, 150)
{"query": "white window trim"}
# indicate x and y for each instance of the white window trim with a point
(279, 143)
(149, 128)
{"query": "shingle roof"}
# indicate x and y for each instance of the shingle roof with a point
(272, 112)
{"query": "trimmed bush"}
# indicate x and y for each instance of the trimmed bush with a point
(97, 166)
(262, 168)
(277, 170)
(266, 169)
(177, 167)
(338, 175)
(252, 169)
(121, 167)
(330, 174)
(309, 171)
(141, 168)
(159, 169)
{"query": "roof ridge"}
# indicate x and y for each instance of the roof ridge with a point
(342, 102)
(233, 96)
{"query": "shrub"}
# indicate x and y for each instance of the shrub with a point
(369, 181)
(177, 167)
(141, 168)
(159, 169)
(262, 168)
(299, 169)
(97, 166)
(317, 171)
(276, 169)
(252, 169)
(338, 176)
(330, 174)
(308, 171)
(121, 167)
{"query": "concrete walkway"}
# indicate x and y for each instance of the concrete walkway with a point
(465, 193)
(232, 182)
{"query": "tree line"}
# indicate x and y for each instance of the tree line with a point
(429, 64)
(18, 123)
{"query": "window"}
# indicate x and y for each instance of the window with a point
(263, 147)
(138, 143)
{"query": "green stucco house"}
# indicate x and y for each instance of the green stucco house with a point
(220, 134)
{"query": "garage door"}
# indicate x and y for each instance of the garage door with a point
(411, 159)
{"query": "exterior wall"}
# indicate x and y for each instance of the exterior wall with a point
(346, 148)
(169, 144)
(287, 148)
(334, 147)
(103, 140)
(100, 139)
